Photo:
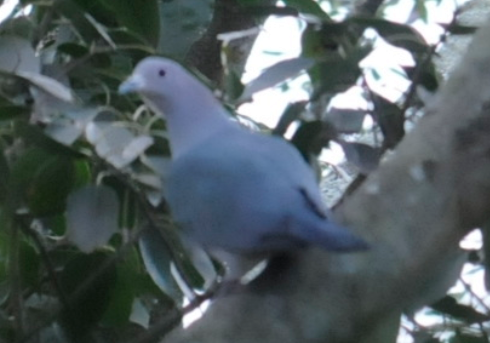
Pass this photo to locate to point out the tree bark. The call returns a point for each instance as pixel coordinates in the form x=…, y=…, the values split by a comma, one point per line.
x=413, y=210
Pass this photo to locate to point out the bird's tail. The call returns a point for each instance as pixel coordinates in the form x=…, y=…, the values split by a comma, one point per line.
x=333, y=237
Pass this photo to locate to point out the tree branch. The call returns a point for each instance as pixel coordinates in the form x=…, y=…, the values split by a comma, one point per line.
x=413, y=210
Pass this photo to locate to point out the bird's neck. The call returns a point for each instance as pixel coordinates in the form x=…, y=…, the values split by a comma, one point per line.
x=191, y=122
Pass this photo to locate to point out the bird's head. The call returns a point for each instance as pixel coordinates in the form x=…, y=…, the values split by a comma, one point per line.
x=155, y=77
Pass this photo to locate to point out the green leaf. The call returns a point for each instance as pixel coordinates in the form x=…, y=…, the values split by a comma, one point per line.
x=363, y=156
x=421, y=6
x=400, y=35
x=461, y=337
x=128, y=210
x=4, y=174
x=324, y=41
x=92, y=217
x=275, y=74
x=56, y=224
x=290, y=114
x=123, y=295
x=308, y=7
x=17, y=55
x=48, y=85
x=22, y=173
x=29, y=263
x=157, y=258
x=183, y=22
x=50, y=186
x=390, y=119
x=250, y=2
x=78, y=20
x=18, y=26
x=426, y=76
x=233, y=85
x=337, y=74
x=140, y=17
x=98, y=10
x=35, y=136
x=448, y=305
x=41, y=180
x=346, y=120
x=86, y=308
x=8, y=112
x=311, y=137
x=73, y=49
x=458, y=29
x=83, y=174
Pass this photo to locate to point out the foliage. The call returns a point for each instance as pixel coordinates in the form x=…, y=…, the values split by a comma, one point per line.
x=88, y=250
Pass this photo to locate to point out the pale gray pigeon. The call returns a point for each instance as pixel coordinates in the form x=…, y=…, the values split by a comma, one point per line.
x=230, y=188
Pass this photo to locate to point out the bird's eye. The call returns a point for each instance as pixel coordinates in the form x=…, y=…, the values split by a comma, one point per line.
x=161, y=72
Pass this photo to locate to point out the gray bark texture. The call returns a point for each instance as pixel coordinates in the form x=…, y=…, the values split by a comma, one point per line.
x=413, y=210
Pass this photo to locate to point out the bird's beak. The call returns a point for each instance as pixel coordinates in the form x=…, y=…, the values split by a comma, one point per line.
x=131, y=85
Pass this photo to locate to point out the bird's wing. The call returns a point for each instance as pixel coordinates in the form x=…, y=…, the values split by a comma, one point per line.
x=288, y=162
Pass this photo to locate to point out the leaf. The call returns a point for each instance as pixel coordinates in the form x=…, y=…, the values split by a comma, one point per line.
x=136, y=147
x=35, y=136
x=158, y=259
x=49, y=85
x=318, y=43
x=311, y=137
x=233, y=85
x=421, y=6
x=140, y=17
x=390, y=119
x=41, y=180
x=458, y=29
x=121, y=301
x=462, y=337
x=17, y=55
x=29, y=264
x=337, y=74
x=73, y=49
x=426, y=76
x=8, y=112
x=51, y=185
x=290, y=114
x=308, y=7
x=400, y=35
x=22, y=173
x=85, y=308
x=157, y=163
x=364, y=157
x=18, y=26
x=78, y=20
x=116, y=144
x=99, y=11
x=182, y=23
x=92, y=217
x=275, y=74
x=69, y=125
x=448, y=305
x=140, y=314
x=129, y=41
x=346, y=120
x=4, y=174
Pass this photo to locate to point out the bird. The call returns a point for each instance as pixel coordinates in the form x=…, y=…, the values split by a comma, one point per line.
x=230, y=188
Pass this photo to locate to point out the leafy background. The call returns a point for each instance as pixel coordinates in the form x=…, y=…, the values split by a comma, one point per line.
x=88, y=251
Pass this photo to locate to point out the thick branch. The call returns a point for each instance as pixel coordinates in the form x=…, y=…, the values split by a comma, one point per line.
x=413, y=210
